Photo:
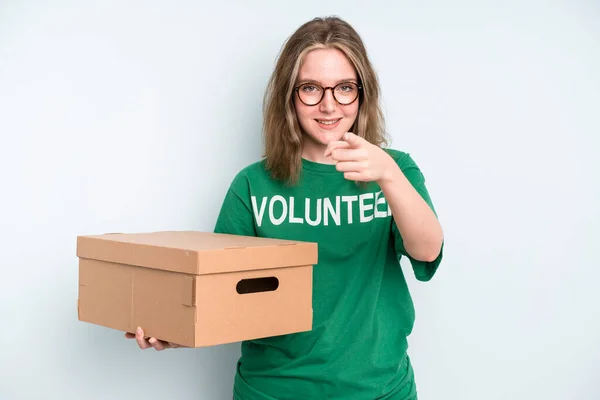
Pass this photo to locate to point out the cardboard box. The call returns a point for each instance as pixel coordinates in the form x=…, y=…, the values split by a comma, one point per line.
x=196, y=288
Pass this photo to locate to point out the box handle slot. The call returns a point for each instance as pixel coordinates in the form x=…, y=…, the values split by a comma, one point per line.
x=257, y=285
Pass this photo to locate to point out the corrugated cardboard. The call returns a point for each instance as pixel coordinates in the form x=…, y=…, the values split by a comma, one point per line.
x=196, y=288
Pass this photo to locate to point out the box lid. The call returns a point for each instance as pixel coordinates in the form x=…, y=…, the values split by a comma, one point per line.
x=195, y=252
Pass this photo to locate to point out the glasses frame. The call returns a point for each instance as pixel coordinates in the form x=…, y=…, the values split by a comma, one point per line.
x=324, y=89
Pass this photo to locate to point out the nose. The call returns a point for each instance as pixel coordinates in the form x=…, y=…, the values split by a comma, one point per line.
x=328, y=103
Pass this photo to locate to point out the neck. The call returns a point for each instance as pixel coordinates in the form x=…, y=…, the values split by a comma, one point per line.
x=315, y=152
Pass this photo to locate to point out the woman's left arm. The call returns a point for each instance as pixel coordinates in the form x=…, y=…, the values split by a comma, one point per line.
x=417, y=223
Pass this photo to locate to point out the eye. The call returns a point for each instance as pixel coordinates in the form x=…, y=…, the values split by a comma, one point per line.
x=346, y=88
x=309, y=88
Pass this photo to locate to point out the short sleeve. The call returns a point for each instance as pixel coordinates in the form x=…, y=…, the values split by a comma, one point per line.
x=235, y=216
x=423, y=270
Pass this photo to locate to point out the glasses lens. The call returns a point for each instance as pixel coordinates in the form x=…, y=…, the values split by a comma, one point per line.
x=310, y=94
x=346, y=93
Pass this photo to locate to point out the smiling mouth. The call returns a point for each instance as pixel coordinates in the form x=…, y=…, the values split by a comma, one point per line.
x=327, y=121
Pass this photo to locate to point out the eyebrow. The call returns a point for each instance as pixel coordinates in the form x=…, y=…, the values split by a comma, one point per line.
x=302, y=81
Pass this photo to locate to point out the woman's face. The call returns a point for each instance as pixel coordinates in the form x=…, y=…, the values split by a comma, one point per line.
x=328, y=120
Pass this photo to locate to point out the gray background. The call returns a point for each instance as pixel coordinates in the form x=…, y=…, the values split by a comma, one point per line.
x=133, y=116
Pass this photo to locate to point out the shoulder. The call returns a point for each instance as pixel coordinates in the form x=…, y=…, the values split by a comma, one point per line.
x=412, y=172
x=408, y=166
x=253, y=172
x=402, y=158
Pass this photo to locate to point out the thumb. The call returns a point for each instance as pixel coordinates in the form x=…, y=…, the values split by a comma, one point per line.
x=352, y=139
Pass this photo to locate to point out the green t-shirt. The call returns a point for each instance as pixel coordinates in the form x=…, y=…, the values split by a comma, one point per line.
x=362, y=309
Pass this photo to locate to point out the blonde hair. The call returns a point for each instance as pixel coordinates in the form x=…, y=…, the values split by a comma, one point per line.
x=282, y=133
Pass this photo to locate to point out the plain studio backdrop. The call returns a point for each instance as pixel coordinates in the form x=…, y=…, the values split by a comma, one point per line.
x=135, y=116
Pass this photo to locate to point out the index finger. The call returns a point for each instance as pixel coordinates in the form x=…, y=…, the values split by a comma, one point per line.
x=353, y=139
x=336, y=144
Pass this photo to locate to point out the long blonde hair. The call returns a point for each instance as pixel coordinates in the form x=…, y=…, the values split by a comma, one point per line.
x=282, y=133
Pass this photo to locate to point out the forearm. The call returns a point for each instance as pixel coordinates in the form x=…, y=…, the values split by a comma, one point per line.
x=418, y=225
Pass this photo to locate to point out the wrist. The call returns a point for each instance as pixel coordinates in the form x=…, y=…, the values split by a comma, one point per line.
x=391, y=174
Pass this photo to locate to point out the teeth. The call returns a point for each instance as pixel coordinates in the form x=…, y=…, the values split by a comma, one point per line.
x=328, y=122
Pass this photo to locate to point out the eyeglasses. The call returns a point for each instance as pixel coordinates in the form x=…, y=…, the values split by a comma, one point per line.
x=344, y=93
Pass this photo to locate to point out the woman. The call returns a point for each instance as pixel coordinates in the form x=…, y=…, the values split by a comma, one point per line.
x=327, y=178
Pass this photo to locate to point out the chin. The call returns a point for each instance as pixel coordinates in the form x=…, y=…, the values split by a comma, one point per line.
x=325, y=135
